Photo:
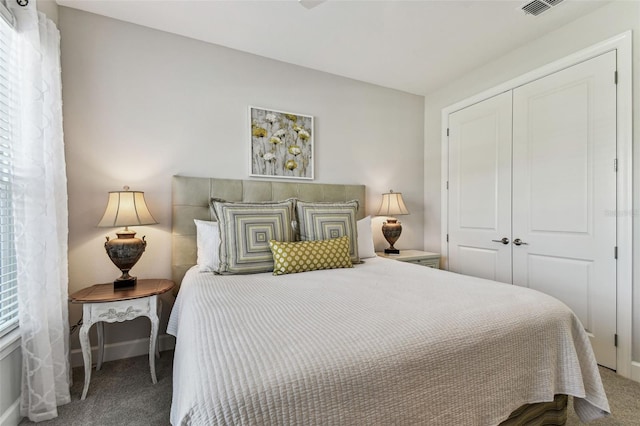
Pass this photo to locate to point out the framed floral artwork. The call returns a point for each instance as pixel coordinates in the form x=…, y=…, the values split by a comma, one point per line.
x=281, y=144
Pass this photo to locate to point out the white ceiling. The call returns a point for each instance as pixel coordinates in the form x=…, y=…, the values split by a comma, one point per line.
x=413, y=46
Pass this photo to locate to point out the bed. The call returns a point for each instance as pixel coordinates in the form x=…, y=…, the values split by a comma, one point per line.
x=383, y=342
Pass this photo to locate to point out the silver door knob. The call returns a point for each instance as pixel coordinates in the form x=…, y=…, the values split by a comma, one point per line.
x=505, y=240
x=519, y=242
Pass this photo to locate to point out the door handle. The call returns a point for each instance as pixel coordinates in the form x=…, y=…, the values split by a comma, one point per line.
x=519, y=242
x=505, y=240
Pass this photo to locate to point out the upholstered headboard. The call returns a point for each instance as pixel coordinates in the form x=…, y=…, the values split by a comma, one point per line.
x=191, y=195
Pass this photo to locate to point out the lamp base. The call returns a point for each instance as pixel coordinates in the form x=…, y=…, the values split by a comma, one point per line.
x=125, y=283
x=391, y=229
x=124, y=252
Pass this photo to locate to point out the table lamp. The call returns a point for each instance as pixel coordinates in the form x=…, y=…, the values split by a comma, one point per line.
x=125, y=208
x=392, y=205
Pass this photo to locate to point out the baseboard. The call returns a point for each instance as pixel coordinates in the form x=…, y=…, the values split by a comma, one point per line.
x=635, y=371
x=121, y=350
x=12, y=416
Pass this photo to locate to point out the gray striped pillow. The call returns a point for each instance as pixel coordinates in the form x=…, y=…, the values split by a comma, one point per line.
x=245, y=232
x=327, y=220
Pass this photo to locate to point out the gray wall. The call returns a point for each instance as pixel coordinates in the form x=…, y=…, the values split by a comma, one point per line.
x=591, y=29
x=141, y=105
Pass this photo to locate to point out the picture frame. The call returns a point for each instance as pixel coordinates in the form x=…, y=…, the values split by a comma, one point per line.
x=281, y=144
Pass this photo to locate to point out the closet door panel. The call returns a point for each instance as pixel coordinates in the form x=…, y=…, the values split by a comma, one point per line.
x=559, y=161
x=564, y=193
x=480, y=189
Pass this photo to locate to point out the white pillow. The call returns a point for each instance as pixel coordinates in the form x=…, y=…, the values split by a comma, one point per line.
x=208, y=241
x=365, y=239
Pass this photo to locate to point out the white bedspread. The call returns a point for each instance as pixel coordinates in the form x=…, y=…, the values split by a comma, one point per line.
x=384, y=343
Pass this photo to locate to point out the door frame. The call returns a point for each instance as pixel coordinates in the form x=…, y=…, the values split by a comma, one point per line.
x=624, y=178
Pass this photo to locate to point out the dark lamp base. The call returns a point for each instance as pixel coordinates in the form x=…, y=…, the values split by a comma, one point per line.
x=126, y=283
x=391, y=229
x=124, y=252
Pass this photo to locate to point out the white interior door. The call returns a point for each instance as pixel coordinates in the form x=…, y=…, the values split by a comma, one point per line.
x=480, y=189
x=564, y=193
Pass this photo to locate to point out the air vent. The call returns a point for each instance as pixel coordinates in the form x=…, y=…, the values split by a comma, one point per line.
x=310, y=4
x=536, y=7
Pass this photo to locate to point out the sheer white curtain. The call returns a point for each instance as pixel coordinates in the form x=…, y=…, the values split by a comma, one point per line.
x=40, y=216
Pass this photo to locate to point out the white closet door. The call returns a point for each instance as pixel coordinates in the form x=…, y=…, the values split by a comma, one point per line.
x=480, y=189
x=564, y=194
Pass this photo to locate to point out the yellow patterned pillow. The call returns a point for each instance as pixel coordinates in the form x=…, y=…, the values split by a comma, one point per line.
x=289, y=258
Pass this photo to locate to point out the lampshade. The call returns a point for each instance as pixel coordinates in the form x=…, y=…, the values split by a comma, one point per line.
x=392, y=205
x=126, y=208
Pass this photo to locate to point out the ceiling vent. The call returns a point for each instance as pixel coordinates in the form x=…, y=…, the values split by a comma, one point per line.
x=536, y=7
x=310, y=4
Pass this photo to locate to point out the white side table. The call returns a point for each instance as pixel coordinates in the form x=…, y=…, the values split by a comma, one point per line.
x=419, y=257
x=101, y=303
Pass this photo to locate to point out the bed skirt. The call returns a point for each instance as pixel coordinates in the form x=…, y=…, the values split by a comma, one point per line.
x=552, y=413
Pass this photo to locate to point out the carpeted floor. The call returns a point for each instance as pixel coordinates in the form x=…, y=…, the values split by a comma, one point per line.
x=121, y=393
x=624, y=400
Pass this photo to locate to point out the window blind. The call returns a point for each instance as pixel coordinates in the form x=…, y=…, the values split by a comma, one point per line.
x=8, y=266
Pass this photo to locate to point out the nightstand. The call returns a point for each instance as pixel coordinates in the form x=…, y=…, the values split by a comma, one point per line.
x=101, y=303
x=425, y=258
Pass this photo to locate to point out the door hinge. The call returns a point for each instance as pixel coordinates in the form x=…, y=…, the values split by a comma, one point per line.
x=615, y=165
x=447, y=185
x=615, y=252
x=615, y=340
x=615, y=77
x=447, y=131
x=447, y=237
